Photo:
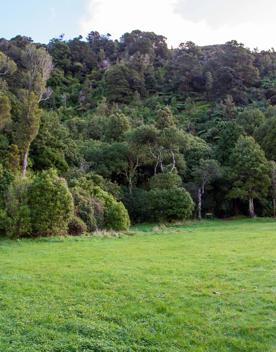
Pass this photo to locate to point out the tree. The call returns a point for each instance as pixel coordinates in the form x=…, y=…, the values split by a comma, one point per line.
x=165, y=118
x=250, y=119
x=7, y=65
x=117, y=125
x=204, y=173
x=26, y=129
x=250, y=172
x=229, y=133
x=38, y=66
x=13, y=159
x=5, y=111
x=52, y=144
x=265, y=136
x=121, y=82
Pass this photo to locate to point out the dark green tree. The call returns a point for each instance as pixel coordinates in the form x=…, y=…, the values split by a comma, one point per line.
x=250, y=172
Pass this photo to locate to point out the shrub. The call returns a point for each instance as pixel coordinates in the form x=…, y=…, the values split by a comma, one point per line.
x=18, y=214
x=137, y=205
x=51, y=204
x=116, y=217
x=6, y=178
x=3, y=221
x=76, y=226
x=165, y=181
x=84, y=208
x=115, y=214
x=170, y=204
x=98, y=208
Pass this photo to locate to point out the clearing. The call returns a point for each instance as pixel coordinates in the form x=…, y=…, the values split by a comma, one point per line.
x=205, y=287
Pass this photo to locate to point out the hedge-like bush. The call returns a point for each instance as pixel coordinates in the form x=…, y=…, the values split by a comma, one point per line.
x=51, y=204
x=115, y=214
x=18, y=213
x=116, y=217
x=170, y=204
x=41, y=206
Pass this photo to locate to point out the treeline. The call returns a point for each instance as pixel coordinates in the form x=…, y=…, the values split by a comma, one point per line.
x=105, y=129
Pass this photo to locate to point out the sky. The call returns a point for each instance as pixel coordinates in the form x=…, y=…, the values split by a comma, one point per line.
x=201, y=21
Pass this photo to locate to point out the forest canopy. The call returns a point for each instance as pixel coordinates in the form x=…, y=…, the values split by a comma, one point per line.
x=129, y=129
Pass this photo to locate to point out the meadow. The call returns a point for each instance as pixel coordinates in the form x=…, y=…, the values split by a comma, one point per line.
x=201, y=287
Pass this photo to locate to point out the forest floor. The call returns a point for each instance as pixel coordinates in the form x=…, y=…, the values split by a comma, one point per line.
x=202, y=287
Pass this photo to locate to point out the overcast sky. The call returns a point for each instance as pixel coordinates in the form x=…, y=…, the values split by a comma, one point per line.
x=202, y=21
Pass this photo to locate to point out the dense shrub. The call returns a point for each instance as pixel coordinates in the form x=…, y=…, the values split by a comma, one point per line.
x=98, y=208
x=170, y=204
x=76, y=226
x=18, y=213
x=85, y=208
x=115, y=214
x=159, y=204
x=165, y=180
x=51, y=204
x=137, y=205
x=116, y=217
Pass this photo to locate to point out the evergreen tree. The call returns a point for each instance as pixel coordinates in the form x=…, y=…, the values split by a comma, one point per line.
x=250, y=172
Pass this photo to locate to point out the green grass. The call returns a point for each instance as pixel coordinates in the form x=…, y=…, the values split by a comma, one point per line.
x=200, y=287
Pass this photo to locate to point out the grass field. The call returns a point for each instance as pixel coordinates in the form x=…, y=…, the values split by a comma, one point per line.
x=203, y=287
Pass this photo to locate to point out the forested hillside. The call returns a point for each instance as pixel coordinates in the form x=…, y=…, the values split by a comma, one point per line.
x=94, y=130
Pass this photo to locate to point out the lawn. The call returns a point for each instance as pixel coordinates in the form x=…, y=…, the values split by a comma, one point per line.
x=200, y=287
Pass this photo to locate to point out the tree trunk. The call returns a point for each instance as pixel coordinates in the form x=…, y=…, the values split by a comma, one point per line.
x=199, y=205
x=274, y=207
x=251, y=208
x=130, y=185
x=25, y=162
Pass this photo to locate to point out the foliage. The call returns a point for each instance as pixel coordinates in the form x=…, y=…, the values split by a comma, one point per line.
x=76, y=226
x=50, y=203
x=250, y=171
x=170, y=204
x=18, y=212
x=265, y=136
x=139, y=116
x=165, y=181
x=5, y=111
x=116, y=217
x=115, y=214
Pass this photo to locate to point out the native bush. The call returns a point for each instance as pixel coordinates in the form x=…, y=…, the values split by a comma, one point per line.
x=76, y=226
x=88, y=208
x=116, y=217
x=115, y=214
x=18, y=214
x=51, y=204
x=170, y=204
x=165, y=180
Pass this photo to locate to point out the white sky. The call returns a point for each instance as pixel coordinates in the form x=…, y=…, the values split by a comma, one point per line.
x=251, y=22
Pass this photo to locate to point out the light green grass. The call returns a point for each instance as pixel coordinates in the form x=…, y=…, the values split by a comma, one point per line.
x=204, y=287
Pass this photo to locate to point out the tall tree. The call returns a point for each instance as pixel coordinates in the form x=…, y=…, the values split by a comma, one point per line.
x=206, y=172
x=38, y=65
x=250, y=172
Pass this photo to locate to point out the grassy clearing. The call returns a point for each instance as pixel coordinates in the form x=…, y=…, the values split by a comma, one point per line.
x=200, y=287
